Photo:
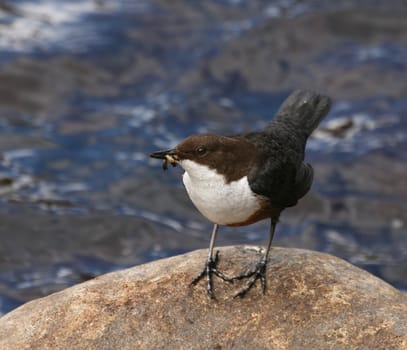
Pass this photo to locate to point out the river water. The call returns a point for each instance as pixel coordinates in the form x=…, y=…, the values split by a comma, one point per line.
x=89, y=88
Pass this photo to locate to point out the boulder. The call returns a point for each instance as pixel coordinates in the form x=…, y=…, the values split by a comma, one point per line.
x=313, y=301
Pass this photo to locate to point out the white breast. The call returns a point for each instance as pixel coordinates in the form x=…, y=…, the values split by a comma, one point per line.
x=218, y=201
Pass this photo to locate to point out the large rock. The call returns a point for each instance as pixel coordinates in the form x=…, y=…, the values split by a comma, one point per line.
x=313, y=301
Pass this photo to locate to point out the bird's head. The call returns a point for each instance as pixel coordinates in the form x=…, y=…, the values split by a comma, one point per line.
x=220, y=153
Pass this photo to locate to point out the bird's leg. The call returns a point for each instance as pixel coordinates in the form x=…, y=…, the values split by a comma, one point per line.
x=260, y=271
x=210, y=266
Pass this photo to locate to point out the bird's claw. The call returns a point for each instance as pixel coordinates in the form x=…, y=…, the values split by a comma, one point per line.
x=258, y=273
x=209, y=270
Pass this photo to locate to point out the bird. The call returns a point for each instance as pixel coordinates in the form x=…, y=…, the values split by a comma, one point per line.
x=244, y=178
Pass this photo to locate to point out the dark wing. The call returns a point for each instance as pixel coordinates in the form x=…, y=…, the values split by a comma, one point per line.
x=303, y=180
x=281, y=174
x=282, y=183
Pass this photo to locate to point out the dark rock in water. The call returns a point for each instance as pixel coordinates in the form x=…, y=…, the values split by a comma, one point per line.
x=313, y=301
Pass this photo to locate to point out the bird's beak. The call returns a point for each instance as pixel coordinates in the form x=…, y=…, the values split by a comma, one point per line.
x=169, y=155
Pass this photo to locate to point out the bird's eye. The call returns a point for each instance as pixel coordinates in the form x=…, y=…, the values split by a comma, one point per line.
x=201, y=150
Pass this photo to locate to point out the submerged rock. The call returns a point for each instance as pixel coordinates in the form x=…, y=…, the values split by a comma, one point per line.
x=313, y=301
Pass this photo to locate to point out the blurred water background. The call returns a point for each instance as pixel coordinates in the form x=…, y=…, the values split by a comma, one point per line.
x=89, y=88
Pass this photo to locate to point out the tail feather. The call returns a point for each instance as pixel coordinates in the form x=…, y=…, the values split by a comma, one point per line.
x=303, y=110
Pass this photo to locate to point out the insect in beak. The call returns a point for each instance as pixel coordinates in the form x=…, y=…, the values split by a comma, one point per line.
x=167, y=156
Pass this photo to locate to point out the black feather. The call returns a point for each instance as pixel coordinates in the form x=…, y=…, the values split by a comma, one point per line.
x=281, y=174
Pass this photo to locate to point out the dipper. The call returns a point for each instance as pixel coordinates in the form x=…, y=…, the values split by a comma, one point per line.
x=241, y=179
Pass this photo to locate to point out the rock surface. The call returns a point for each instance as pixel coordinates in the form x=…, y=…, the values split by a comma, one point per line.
x=313, y=301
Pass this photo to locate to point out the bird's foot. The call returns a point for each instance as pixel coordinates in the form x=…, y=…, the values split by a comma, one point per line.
x=209, y=270
x=258, y=273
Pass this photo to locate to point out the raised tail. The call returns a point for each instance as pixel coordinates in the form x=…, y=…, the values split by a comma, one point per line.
x=303, y=111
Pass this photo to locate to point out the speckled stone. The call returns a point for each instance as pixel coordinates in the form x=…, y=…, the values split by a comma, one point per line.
x=313, y=301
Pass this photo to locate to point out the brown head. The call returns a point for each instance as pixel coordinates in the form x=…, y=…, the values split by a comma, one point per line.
x=232, y=157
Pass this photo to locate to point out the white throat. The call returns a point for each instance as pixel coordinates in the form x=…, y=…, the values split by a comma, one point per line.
x=220, y=202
